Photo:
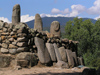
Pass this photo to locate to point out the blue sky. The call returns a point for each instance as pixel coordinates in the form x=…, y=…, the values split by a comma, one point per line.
x=50, y=8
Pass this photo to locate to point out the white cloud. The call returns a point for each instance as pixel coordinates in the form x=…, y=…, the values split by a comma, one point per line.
x=97, y=17
x=26, y=18
x=49, y=15
x=95, y=8
x=55, y=11
x=4, y=19
x=76, y=10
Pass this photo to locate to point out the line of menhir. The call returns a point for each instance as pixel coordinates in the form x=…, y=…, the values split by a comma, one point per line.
x=33, y=46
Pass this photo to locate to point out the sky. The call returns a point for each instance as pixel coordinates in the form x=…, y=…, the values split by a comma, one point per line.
x=50, y=8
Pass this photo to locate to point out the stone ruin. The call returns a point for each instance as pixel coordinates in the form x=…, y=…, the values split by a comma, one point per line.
x=26, y=47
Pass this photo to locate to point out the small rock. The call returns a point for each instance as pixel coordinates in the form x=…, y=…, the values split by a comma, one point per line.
x=4, y=45
x=12, y=51
x=22, y=44
x=3, y=50
x=11, y=46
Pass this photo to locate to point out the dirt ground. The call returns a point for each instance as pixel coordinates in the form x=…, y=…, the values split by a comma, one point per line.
x=40, y=71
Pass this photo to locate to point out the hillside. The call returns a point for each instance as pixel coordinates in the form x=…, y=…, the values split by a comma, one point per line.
x=47, y=22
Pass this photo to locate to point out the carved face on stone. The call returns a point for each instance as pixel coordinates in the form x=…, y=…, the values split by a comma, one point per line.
x=55, y=28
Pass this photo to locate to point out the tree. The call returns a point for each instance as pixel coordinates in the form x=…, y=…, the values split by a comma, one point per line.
x=88, y=35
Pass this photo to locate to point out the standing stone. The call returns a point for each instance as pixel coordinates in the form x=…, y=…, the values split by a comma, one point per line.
x=80, y=61
x=51, y=51
x=63, y=54
x=57, y=52
x=55, y=28
x=75, y=58
x=38, y=23
x=70, y=58
x=43, y=53
x=16, y=14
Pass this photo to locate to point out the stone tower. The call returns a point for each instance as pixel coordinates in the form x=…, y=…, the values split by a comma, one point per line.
x=16, y=14
x=38, y=23
x=55, y=28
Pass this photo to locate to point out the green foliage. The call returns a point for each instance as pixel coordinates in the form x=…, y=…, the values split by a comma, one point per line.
x=88, y=35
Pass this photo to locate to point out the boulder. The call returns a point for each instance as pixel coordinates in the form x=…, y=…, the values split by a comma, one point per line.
x=43, y=53
x=57, y=52
x=63, y=53
x=70, y=58
x=62, y=64
x=27, y=56
x=11, y=39
x=51, y=51
x=4, y=61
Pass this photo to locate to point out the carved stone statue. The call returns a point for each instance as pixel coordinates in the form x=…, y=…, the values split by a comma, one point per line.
x=55, y=28
x=38, y=23
x=16, y=14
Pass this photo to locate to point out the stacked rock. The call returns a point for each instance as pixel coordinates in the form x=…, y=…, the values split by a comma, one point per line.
x=14, y=38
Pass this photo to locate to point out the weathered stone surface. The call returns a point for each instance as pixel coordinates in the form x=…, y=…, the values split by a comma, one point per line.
x=12, y=51
x=22, y=63
x=5, y=34
x=12, y=33
x=22, y=35
x=22, y=44
x=3, y=50
x=16, y=14
x=70, y=58
x=4, y=45
x=61, y=64
x=38, y=23
x=55, y=28
x=75, y=58
x=11, y=46
x=22, y=49
x=3, y=37
x=14, y=43
x=57, y=52
x=63, y=53
x=43, y=53
x=4, y=61
x=11, y=39
x=80, y=61
x=30, y=57
x=51, y=51
x=23, y=39
x=5, y=29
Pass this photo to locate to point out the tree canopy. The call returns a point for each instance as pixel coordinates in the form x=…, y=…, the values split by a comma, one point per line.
x=88, y=35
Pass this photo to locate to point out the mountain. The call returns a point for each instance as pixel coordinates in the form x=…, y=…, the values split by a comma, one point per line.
x=47, y=22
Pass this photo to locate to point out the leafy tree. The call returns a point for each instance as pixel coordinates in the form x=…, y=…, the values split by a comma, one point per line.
x=88, y=35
